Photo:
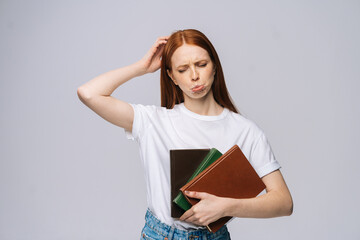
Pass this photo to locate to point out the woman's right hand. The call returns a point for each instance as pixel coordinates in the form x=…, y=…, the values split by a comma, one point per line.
x=151, y=62
x=96, y=94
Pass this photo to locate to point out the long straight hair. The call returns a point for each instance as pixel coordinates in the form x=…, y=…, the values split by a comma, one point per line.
x=171, y=94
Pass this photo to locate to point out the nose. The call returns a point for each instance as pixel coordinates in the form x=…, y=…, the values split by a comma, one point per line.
x=194, y=74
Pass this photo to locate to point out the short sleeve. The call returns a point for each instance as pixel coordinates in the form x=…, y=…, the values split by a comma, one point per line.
x=142, y=116
x=262, y=157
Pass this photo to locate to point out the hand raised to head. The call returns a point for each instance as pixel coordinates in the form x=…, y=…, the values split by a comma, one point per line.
x=151, y=62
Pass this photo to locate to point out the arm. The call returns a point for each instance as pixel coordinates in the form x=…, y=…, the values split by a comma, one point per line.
x=275, y=202
x=96, y=94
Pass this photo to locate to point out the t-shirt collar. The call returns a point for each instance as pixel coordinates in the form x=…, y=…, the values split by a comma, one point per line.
x=203, y=117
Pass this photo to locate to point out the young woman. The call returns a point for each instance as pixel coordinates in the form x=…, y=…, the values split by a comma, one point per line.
x=196, y=112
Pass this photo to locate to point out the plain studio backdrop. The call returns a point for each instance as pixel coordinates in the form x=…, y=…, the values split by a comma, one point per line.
x=292, y=67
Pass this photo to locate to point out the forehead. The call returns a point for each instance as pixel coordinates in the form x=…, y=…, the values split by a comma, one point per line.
x=188, y=53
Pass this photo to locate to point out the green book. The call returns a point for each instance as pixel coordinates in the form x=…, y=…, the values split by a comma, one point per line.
x=211, y=157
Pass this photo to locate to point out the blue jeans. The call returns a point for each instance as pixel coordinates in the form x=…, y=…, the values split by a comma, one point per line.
x=156, y=230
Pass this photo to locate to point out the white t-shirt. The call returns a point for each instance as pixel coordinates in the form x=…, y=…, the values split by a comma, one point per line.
x=157, y=130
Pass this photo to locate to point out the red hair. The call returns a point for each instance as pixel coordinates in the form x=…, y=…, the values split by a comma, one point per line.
x=171, y=94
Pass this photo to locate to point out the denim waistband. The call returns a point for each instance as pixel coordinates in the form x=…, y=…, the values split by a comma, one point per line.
x=170, y=232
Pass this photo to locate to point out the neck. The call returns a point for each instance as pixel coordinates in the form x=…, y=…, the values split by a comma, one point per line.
x=204, y=106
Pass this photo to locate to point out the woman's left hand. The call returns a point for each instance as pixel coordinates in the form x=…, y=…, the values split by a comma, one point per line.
x=208, y=210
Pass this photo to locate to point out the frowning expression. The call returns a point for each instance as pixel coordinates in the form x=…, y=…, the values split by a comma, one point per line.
x=192, y=70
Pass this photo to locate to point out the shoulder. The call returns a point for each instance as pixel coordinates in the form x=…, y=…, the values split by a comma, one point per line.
x=142, y=107
x=153, y=110
x=246, y=124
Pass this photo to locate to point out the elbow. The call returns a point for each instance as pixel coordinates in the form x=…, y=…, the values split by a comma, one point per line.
x=285, y=205
x=288, y=207
x=83, y=94
x=290, y=210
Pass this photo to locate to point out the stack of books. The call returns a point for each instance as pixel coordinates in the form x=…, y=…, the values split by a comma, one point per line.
x=208, y=170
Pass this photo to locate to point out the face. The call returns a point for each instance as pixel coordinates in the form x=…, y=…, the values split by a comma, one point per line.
x=192, y=70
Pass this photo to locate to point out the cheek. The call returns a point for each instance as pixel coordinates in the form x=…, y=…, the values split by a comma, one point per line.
x=210, y=74
x=181, y=79
x=212, y=77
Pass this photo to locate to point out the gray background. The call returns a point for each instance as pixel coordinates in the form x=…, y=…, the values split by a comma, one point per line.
x=291, y=66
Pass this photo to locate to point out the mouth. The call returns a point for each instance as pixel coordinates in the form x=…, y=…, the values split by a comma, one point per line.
x=198, y=88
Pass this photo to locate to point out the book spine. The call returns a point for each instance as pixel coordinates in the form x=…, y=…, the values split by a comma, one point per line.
x=203, y=164
x=211, y=157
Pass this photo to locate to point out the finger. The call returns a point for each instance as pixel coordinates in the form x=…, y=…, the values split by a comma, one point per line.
x=156, y=48
x=191, y=219
x=159, y=52
x=163, y=38
x=158, y=44
x=186, y=215
x=161, y=45
x=197, y=195
x=162, y=41
x=196, y=220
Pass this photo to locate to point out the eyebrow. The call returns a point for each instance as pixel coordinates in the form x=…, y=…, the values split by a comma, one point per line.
x=185, y=65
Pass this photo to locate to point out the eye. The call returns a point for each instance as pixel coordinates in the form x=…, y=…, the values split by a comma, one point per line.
x=202, y=64
x=181, y=70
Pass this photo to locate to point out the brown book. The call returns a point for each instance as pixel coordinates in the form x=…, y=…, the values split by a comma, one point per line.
x=229, y=176
x=183, y=163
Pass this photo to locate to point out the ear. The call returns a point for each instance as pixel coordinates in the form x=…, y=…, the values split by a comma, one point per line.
x=171, y=76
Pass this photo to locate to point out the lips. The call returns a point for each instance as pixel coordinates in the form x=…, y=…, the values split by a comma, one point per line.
x=198, y=88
